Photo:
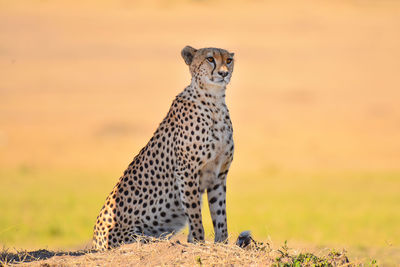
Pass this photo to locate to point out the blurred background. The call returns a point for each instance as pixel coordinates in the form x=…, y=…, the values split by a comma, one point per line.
x=314, y=100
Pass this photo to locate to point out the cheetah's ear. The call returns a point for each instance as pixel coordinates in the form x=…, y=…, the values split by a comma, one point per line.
x=188, y=54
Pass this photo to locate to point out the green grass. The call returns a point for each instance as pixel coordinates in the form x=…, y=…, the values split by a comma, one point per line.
x=359, y=211
x=50, y=208
x=352, y=208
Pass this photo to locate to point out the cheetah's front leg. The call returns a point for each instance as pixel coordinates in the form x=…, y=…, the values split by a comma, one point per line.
x=216, y=195
x=190, y=197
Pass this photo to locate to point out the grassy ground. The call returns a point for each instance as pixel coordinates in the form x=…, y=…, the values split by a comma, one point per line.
x=314, y=102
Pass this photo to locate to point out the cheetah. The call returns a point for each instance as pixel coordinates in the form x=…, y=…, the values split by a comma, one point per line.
x=190, y=152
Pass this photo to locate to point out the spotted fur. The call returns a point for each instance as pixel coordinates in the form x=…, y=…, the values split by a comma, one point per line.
x=190, y=153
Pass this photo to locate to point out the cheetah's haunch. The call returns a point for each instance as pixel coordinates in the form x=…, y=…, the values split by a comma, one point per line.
x=189, y=153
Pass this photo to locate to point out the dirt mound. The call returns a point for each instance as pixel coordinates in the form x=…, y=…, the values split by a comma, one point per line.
x=176, y=253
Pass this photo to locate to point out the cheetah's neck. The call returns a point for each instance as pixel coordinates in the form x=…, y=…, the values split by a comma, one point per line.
x=208, y=93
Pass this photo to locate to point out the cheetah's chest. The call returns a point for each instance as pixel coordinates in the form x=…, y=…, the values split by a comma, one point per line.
x=221, y=131
x=221, y=153
x=221, y=136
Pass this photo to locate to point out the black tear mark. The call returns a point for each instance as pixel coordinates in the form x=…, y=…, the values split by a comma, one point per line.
x=215, y=65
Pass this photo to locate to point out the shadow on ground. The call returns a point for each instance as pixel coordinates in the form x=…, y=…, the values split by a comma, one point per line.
x=41, y=254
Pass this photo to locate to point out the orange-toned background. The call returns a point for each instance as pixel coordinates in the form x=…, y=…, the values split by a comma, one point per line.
x=316, y=84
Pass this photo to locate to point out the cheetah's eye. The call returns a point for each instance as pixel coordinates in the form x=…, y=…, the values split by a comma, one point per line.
x=210, y=59
x=228, y=61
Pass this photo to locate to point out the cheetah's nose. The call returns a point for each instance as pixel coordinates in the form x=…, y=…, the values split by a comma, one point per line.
x=223, y=73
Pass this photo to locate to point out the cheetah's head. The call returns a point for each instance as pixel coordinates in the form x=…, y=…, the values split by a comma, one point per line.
x=210, y=66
